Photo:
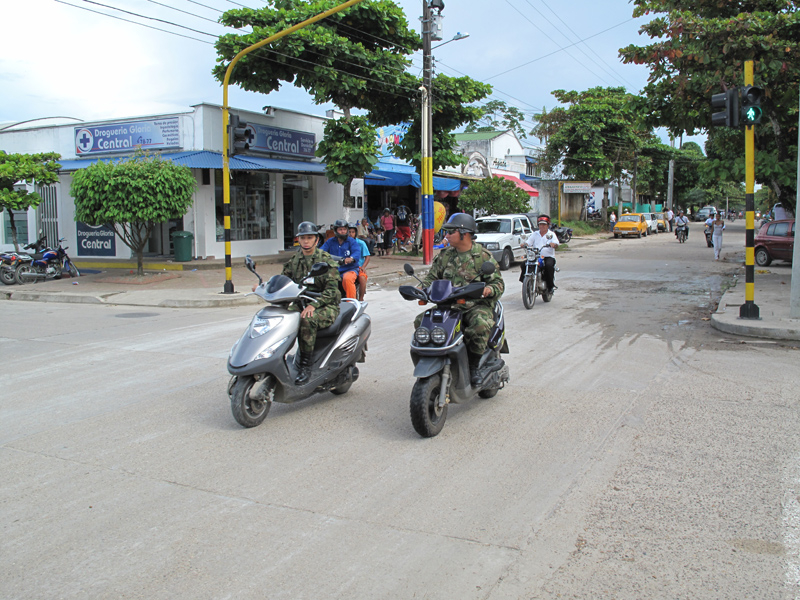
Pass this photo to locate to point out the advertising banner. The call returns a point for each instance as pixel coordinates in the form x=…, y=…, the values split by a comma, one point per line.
x=96, y=240
x=273, y=140
x=576, y=187
x=157, y=134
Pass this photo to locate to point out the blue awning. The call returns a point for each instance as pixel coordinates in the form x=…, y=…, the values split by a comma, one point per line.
x=446, y=184
x=204, y=159
x=394, y=174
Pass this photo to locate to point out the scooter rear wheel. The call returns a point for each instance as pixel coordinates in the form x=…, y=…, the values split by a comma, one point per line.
x=7, y=276
x=426, y=417
x=249, y=411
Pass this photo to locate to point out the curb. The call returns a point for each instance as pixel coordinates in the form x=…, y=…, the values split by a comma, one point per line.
x=790, y=333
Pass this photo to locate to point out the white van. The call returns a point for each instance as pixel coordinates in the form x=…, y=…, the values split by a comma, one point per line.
x=502, y=235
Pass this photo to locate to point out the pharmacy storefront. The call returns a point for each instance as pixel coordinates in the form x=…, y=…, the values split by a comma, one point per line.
x=274, y=187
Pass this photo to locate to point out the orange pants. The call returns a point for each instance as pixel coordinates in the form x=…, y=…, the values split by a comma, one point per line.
x=349, y=283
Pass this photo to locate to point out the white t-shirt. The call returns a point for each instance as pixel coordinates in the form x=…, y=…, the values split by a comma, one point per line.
x=681, y=221
x=535, y=240
x=670, y=215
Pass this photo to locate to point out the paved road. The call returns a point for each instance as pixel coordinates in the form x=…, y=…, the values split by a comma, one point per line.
x=636, y=453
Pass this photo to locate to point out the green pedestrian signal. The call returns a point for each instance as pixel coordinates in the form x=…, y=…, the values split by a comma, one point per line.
x=751, y=105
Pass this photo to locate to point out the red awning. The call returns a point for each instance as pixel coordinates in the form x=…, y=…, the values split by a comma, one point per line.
x=521, y=185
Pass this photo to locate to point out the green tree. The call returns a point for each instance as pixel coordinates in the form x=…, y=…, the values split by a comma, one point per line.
x=699, y=48
x=39, y=168
x=356, y=59
x=132, y=196
x=450, y=110
x=594, y=138
x=499, y=116
x=495, y=195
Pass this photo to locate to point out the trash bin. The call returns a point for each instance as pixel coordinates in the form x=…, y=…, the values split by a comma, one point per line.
x=182, y=242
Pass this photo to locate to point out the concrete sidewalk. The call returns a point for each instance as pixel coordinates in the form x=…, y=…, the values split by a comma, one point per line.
x=772, y=293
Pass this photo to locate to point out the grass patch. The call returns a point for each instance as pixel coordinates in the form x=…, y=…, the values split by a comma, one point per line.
x=584, y=227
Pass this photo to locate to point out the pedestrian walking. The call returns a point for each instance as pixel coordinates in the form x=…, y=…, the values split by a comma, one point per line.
x=716, y=234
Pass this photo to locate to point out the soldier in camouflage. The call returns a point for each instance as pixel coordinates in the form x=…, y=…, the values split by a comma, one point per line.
x=461, y=263
x=323, y=311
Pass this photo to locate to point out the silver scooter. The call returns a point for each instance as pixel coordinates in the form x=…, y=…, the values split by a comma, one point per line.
x=263, y=370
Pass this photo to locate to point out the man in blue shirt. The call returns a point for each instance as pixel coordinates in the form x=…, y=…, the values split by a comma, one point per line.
x=362, y=265
x=342, y=246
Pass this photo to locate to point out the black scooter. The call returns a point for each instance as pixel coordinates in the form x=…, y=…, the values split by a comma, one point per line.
x=439, y=352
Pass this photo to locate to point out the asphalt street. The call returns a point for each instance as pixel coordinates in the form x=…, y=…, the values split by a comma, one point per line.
x=636, y=453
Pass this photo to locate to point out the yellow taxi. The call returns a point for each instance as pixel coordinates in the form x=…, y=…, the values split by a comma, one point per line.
x=631, y=224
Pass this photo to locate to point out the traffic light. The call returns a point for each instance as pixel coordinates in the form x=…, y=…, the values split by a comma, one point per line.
x=239, y=136
x=751, y=104
x=729, y=103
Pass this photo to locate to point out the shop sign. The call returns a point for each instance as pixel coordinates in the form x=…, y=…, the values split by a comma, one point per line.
x=576, y=187
x=96, y=240
x=156, y=134
x=388, y=137
x=273, y=140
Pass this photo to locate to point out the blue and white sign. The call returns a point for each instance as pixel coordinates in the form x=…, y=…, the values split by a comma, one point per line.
x=158, y=134
x=96, y=240
x=273, y=140
x=389, y=136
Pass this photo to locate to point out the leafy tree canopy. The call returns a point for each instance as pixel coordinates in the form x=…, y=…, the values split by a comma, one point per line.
x=349, y=149
x=132, y=195
x=40, y=168
x=495, y=195
x=499, y=116
x=699, y=48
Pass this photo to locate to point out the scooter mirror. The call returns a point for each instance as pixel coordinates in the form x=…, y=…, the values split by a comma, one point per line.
x=248, y=262
x=319, y=268
x=487, y=268
x=408, y=269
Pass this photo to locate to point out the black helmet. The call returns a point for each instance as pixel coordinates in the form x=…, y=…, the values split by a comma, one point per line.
x=306, y=228
x=461, y=221
x=339, y=223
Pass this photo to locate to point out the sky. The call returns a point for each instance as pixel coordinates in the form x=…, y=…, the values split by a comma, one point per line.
x=88, y=66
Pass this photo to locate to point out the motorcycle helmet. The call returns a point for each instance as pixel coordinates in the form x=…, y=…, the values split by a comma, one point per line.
x=543, y=219
x=306, y=228
x=336, y=225
x=463, y=222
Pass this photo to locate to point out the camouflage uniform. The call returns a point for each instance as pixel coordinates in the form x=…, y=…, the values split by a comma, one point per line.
x=461, y=268
x=326, y=307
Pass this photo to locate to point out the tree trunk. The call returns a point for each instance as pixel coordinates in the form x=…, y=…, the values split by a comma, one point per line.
x=13, y=229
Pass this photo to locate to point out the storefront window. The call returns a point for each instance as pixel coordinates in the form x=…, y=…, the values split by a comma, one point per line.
x=252, y=207
x=298, y=204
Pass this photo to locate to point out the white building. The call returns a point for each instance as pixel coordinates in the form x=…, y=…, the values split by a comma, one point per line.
x=275, y=186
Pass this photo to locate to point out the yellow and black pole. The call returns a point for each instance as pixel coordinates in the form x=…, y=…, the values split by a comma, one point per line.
x=226, y=173
x=749, y=310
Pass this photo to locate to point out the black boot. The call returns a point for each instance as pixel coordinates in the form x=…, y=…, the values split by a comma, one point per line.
x=476, y=377
x=303, y=368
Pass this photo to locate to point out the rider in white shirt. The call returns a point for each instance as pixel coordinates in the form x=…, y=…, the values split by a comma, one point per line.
x=682, y=220
x=547, y=242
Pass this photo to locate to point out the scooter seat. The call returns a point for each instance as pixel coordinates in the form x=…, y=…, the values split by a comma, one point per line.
x=346, y=312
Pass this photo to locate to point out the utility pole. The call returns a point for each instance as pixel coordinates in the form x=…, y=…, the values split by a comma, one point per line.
x=749, y=310
x=794, y=297
x=669, y=183
x=427, y=135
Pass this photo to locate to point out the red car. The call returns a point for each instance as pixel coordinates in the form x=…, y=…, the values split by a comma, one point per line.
x=775, y=241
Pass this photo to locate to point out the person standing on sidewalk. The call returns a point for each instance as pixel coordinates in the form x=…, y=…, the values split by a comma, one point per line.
x=387, y=223
x=670, y=219
x=716, y=234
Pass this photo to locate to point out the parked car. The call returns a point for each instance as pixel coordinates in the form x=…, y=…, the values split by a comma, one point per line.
x=631, y=224
x=774, y=241
x=502, y=235
x=652, y=222
x=661, y=220
x=704, y=213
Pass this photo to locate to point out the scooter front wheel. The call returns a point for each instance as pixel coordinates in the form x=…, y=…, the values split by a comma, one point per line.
x=250, y=411
x=426, y=416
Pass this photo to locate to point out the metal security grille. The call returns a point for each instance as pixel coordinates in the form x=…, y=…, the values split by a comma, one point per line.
x=47, y=214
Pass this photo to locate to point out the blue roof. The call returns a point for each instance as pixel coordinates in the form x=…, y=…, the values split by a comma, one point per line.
x=204, y=159
x=394, y=174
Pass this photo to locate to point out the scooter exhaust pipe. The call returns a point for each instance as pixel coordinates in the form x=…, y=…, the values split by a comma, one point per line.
x=32, y=276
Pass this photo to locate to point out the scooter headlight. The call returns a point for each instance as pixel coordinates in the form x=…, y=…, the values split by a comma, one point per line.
x=260, y=325
x=439, y=336
x=422, y=336
x=271, y=350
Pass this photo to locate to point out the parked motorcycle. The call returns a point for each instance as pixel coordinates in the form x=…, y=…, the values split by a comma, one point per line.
x=262, y=369
x=439, y=353
x=533, y=283
x=564, y=234
x=680, y=233
x=9, y=261
x=48, y=264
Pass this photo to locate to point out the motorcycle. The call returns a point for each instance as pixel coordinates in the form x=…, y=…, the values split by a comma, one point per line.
x=9, y=261
x=564, y=234
x=533, y=283
x=707, y=232
x=48, y=264
x=680, y=233
x=439, y=354
x=262, y=370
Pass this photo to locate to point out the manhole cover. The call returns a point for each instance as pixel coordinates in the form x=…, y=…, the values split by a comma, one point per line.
x=136, y=315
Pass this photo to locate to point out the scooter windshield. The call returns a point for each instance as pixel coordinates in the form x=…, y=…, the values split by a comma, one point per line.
x=440, y=290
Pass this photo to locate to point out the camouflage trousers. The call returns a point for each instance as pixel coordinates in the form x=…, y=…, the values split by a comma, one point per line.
x=477, y=324
x=323, y=317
